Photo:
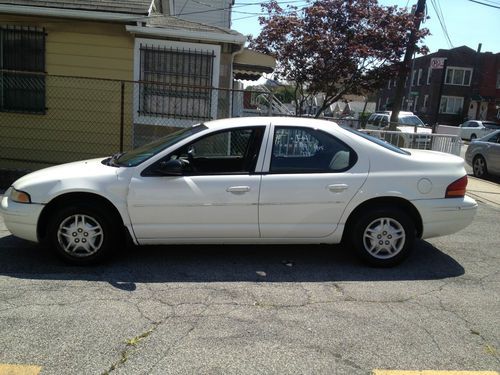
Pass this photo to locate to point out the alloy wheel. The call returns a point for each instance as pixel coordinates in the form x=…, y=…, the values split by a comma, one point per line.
x=384, y=238
x=80, y=235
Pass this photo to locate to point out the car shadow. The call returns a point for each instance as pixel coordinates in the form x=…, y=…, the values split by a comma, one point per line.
x=228, y=263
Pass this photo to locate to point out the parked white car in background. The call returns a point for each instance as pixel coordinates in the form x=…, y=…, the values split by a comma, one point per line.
x=474, y=129
x=483, y=155
x=247, y=180
x=408, y=124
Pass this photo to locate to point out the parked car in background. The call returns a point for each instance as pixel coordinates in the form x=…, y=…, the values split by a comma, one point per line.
x=262, y=180
x=474, y=129
x=408, y=123
x=483, y=155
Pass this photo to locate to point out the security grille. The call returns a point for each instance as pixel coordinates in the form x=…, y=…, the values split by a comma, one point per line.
x=22, y=69
x=175, y=83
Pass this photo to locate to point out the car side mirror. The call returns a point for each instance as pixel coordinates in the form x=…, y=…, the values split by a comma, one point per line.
x=172, y=167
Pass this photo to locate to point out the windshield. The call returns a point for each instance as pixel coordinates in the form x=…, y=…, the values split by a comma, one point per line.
x=491, y=125
x=140, y=154
x=378, y=141
x=411, y=120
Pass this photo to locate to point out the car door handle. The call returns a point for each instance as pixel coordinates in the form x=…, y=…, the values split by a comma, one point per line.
x=337, y=188
x=238, y=189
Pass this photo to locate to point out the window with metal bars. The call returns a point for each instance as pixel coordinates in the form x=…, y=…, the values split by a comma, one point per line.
x=175, y=82
x=22, y=69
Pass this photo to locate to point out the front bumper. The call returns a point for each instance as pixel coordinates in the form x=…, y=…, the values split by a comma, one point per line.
x=21, y=218
x=445, y=216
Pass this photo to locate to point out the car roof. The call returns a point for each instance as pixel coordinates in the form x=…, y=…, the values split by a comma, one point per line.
x=265, y=120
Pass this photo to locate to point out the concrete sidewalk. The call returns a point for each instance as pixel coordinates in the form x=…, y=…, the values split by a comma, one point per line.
x=484, y=191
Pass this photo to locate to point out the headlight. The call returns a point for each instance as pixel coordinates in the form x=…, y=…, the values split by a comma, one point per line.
x=19, y=196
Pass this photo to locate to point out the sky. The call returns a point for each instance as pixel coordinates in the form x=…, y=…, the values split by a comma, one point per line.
x=468, y=23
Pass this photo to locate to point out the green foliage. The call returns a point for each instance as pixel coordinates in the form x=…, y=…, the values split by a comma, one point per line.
x=285, y=94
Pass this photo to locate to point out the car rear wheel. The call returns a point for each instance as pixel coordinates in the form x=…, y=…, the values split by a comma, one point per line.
x=479, y=167
x=81, y=234
x=384, y=237
x=472, y=137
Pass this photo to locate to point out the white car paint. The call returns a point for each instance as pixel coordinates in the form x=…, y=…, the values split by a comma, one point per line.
x=257, y=207
x=474, y=129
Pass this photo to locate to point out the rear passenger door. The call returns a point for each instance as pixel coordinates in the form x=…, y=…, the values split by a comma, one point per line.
x=309, y=178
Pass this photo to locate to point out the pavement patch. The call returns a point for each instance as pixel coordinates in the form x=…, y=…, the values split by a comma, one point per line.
x=7, y=369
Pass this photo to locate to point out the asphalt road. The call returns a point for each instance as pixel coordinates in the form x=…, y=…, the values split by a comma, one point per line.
x=254, y=310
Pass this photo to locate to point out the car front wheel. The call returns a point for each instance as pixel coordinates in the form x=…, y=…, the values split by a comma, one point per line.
x=479, y=167
x=81, y=234
x=384, y=237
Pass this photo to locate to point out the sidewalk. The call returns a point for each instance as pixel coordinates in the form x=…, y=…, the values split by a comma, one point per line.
x=484, y=191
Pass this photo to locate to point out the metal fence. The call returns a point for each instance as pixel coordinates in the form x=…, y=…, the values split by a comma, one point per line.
x=450, y=144
x=79, y=118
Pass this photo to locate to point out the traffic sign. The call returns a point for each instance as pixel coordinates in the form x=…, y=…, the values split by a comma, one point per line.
x=437, y=62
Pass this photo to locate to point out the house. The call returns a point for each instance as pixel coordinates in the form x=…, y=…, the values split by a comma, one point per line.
x=85, y=78
x=471, y=87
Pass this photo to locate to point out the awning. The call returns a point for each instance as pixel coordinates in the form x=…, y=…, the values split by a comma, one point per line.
x=482, y=98
x=250, y=65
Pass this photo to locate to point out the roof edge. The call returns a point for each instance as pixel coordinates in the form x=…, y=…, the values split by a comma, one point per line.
x=27, y=10
x=239, y=39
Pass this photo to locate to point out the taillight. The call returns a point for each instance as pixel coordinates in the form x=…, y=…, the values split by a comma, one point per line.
x=457, y=189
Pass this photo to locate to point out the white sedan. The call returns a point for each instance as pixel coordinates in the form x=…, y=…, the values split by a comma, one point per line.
x=246, y=180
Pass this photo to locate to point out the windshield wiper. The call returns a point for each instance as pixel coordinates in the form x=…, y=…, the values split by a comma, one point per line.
x=113, y=160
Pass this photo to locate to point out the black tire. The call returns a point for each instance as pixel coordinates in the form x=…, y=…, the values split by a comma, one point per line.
x=386, y=248
x=479, y=167
x=472, y=137
x=82, y=234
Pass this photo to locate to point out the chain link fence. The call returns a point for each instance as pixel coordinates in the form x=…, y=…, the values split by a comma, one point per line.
x=47, y=120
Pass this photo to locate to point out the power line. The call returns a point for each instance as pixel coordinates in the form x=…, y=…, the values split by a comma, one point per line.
x=232, y=7
x=440, y=17
x=485, y=4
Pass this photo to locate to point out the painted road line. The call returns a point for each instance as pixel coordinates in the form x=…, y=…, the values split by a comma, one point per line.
x=433, y=372
x=6, y=369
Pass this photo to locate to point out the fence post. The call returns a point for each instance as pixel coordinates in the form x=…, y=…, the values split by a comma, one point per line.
x=122, y=109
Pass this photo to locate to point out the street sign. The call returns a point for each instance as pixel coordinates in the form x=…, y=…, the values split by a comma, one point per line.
x=414, y=93
x=437, y=62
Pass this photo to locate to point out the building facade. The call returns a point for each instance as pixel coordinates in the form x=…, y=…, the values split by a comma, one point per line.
x=470, y=88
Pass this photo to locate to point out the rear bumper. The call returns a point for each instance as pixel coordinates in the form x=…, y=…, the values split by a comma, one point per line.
x=20, y=218
x=445, y=216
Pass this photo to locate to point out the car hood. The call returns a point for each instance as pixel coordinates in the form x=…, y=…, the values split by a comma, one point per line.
x=82, y=175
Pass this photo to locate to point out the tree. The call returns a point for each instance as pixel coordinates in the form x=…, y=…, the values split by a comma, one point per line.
x=335, y=47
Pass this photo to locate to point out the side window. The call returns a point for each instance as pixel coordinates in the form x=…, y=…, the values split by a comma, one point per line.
x=495, y=138
x=384, y=121
x=233, y=151
x=303, y=150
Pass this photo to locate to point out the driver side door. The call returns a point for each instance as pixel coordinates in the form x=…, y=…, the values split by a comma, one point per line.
x=216, y=196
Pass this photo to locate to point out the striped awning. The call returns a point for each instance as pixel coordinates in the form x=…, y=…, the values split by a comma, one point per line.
x=250, y=65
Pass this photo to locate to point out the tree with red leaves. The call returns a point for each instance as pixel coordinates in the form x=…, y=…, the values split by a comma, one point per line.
x=335, y=47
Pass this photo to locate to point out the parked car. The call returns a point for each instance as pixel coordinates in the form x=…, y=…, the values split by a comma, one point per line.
x=247, y=180
x=408, y=124
x=474, y=129
x=483, y=155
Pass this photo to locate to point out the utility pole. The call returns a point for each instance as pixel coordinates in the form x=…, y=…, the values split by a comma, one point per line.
x=403, y=70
